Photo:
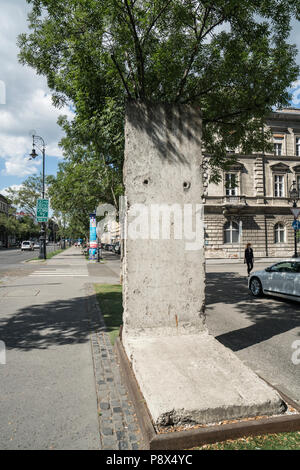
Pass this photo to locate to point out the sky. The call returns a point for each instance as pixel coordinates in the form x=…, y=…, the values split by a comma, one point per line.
x=25, y=103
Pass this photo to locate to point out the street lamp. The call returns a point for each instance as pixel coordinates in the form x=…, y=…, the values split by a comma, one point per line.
x=39, y=142
x=294, y=197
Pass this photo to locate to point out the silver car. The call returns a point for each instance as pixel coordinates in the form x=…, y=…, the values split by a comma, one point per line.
x=27, y=245
x=281, y=279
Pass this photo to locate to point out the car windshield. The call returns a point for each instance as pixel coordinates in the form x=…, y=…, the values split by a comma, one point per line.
x=26, y=243
x=286, y=267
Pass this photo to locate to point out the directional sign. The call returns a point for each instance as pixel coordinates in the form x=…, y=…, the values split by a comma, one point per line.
x=296, y=225
x=295, y=211
x=42, y=210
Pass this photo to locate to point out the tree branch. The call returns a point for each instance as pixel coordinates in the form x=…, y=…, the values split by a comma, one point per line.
x=155, y=19
x=199, y=38
x=138, y=51
x=121, y=74
x=224, y=116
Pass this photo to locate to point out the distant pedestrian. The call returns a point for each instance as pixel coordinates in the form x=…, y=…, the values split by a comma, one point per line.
x=249, y=258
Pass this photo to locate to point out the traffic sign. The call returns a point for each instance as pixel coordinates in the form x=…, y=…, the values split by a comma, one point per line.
x=295, y=211
x=42, y=210
x=296, y=225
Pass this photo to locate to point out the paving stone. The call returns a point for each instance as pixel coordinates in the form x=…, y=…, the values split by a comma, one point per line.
x=105, y=414
x=117, y=421
x=104, y=406
x=132, y=427
x=109, y=442
x=107, y=431
x=114, y=400
x=123, y=445
x=120, y=435
x=117, y=409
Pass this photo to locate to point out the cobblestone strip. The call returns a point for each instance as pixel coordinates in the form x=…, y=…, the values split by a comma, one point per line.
x=117, y=420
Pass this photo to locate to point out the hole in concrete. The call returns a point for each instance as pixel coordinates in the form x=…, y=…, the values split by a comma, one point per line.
x=186, y=185
x=146, y=181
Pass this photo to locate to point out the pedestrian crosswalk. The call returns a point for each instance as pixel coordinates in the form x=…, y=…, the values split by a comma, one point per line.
x=58, y=273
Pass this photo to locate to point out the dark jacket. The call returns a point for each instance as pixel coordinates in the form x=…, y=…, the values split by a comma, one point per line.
x=249, y=254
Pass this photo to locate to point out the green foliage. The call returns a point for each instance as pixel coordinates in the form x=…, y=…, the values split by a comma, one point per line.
x=27, y=228
x=27, y=195
x=25, y=199
x=230, y=58
x=80, y=186
x=283, y=441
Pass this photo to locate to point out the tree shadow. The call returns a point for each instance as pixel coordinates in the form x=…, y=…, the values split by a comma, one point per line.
x=41, y=326
x=271, y=316
x=165, y=125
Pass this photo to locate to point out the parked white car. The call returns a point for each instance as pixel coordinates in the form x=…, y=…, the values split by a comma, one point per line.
x=281, y=279
x=27, y=245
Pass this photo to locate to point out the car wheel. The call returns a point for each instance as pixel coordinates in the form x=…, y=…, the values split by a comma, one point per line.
x=255, y=287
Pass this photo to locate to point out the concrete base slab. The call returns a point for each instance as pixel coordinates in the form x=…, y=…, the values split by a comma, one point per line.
x=195, y=379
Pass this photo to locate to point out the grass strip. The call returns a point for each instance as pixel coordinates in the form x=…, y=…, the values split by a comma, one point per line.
x=281, y=441
x=49, y=255
x=109, y=297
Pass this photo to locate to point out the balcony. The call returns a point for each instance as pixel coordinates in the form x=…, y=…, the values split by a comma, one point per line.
x=235, y=201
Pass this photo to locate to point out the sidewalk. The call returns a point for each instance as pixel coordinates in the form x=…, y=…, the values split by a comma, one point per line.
x=212, y=261
x=61, y=386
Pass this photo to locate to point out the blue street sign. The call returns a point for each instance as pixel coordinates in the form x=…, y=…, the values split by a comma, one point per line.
x=296, y=225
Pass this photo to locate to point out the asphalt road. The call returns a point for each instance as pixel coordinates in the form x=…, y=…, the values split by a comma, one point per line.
x=13, y=261
x=260, y=331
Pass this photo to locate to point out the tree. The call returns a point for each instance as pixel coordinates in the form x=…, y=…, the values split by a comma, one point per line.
x=27, y=228
x=229, y=57
x=25, y=199
x=26, y=196
x=80, y=186
x=8, y=225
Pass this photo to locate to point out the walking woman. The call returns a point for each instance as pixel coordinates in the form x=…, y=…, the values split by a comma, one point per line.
x=249, y=258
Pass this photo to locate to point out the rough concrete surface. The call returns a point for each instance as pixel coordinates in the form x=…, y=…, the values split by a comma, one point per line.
x=163, y=281
x=195, y=379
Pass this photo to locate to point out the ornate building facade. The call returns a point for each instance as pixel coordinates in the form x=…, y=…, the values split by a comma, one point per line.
x=252, y=202
x=4, y=207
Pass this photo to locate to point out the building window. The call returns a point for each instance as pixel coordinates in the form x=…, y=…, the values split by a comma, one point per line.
x=278, y=185
x=298, y=146
x=278, y=141
x=230, y=184
x=231, y=232
x=278, y=148
x=279, y=231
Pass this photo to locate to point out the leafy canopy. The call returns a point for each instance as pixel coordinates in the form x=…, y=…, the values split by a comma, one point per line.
x=229, y=57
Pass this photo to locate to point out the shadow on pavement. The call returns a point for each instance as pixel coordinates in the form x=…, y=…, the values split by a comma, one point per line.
x=46, y=325
x=270, y=316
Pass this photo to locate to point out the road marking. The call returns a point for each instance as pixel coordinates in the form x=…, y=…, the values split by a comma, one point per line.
x=57, y=273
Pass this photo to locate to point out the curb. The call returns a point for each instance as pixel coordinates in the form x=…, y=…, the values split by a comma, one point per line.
x=188, y=439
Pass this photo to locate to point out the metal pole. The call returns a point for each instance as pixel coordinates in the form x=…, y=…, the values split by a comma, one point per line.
x=295, y=233
x=43, y=254
x=64, y=232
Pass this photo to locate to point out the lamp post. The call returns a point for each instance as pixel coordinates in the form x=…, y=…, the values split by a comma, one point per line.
x=294, y=197
x=39, y=142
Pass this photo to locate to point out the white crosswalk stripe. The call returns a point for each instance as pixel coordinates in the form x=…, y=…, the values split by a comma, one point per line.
x=57, y=273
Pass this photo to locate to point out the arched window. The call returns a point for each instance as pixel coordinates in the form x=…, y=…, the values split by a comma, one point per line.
x=231, y=232
x=279, y=233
